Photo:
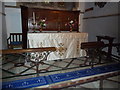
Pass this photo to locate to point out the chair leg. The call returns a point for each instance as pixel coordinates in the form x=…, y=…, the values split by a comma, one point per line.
x=86, y=61
x=37, y=69
x=101, y=84
x=92, y=62
x=100, y=59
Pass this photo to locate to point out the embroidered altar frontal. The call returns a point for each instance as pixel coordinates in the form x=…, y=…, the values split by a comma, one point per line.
x=67, y=44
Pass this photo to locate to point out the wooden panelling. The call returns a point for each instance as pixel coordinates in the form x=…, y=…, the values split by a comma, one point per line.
x=55, y=19
x=92, y=17
x=24, y=16
x=89, y=9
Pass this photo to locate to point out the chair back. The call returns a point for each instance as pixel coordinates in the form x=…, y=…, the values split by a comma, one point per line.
x=15, y=37
x=92, y=45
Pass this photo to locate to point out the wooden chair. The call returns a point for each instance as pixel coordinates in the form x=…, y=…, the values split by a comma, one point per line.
x=15, y=41
x=93, y=50
x=109, y=44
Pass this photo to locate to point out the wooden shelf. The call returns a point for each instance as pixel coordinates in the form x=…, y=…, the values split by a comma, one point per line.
x=109, y=15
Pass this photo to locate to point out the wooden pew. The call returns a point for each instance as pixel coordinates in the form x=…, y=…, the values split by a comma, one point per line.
x=110, y=42
x=93, y=50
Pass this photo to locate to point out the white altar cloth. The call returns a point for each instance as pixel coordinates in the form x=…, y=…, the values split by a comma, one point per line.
x=67, y=44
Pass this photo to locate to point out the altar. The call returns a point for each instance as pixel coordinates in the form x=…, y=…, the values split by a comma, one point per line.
x=67, y=44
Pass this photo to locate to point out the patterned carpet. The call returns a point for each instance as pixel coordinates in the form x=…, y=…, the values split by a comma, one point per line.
x=27, y=70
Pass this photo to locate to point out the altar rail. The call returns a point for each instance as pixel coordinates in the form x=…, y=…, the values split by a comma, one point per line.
x=36, y=57
x=11, y=51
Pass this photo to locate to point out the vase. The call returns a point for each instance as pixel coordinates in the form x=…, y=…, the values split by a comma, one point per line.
x=34, y=30
x=41, y=30
x=71, y=29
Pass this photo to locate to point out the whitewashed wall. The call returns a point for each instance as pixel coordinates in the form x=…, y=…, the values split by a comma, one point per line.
x=81, y=8
x=107, y=26
x=0, y=25
x=101, y=26
x=4, y=31
x=9, y=23
x=0, y=42
x=13, y=20
x=119, y=23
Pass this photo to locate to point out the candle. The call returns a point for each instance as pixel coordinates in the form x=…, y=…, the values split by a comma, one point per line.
x=34, y=17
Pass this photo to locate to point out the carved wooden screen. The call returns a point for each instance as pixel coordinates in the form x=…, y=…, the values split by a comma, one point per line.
x=55, y=19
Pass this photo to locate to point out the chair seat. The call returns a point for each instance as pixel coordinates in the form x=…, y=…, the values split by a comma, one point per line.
x=16, y=43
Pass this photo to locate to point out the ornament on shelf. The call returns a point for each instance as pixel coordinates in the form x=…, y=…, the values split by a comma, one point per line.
x=71, y=24
x=42, y=24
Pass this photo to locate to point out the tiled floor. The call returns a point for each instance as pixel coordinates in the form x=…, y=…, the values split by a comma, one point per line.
x=49, y=67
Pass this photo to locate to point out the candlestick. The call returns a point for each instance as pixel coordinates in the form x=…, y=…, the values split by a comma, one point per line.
x=34, y=17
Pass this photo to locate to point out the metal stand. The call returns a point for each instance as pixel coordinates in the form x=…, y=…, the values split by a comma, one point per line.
x=37, y=58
